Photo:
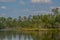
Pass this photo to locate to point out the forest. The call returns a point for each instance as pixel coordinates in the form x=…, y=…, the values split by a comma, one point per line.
x=32, y=21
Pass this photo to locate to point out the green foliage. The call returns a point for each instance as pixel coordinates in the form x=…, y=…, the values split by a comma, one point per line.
x=44, y=21
x=35, y=21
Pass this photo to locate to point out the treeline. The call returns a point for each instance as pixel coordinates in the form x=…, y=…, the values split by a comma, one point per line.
x=32, y=21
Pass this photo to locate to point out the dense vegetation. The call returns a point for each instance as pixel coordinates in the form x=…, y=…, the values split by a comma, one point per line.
x=35, y=21
x=32, y=21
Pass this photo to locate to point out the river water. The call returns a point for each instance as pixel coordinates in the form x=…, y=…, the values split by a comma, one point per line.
x=29, y=35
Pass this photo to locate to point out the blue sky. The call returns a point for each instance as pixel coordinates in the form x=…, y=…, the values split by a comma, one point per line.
x=15, y=8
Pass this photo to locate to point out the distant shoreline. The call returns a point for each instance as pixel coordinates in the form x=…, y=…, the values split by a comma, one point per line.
x=28, y=29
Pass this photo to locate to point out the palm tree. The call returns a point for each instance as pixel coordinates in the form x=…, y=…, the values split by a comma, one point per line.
x=55, y=10
x=9, y=22
x=2, y=22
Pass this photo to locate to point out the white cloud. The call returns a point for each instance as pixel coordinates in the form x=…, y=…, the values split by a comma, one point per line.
x=58, y=7
x=3, y=7
x=41, y=12
x=36, y=11
x=3, y=14
x=41, y=1
x=21, y=2
x=7, y=0
x=26, y=10
x=54, y=7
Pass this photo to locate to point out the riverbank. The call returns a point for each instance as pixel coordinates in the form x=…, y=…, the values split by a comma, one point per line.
x=27, y=29
x=33, y=29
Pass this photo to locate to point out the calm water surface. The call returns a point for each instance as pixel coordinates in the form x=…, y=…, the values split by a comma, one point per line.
x=32, y=35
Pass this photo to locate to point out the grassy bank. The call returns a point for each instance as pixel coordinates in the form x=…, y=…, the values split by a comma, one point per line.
x=28, y=29
x=32, y=29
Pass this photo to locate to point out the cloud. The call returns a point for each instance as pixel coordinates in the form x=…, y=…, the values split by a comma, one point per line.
x=26, y=10
x=41, y=1
x=3, y=7
x=7, y=0
x=54, y=7
x=22, y=2
x=40, y=12
x=35, y=12
x=3, y=14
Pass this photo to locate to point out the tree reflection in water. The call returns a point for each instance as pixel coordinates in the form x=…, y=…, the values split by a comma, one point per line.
x=30, y=35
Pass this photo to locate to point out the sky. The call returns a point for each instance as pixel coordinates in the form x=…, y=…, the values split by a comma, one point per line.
x=15, y=8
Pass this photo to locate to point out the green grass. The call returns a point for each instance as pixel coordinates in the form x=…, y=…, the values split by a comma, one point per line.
x=31, y=29
x=37, y=29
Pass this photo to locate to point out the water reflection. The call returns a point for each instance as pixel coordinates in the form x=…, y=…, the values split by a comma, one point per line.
x=29, y=35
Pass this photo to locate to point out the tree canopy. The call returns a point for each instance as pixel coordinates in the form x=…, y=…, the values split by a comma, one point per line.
x=32, y=21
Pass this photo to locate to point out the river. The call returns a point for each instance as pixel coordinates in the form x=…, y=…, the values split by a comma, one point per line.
x=28, y=35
